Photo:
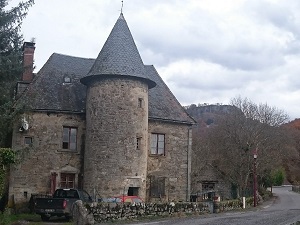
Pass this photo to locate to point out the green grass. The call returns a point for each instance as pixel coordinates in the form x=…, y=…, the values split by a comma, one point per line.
x=16, y=219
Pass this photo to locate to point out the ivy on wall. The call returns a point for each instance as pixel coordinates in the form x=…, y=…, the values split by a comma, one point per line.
x=7, y=157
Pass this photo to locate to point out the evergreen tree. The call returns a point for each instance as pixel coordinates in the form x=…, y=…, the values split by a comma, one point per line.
x=11, y=41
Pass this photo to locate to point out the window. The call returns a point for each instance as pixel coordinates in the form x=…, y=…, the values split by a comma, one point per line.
x=27, y=140
x=157, y=144
x=69, y=138
x=67, y=180
x=140, y=103
x=208, y=186
x=157, y=187
x=208, y=189
x=67, y=79
x=133, y=191
x=138, y=143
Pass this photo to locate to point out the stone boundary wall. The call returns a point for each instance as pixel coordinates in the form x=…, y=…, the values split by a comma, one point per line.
x=110, y=212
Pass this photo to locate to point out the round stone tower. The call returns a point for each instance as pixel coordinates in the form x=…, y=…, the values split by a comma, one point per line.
x=116, y=146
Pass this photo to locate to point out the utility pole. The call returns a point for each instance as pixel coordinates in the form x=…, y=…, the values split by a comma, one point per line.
x=254, y=178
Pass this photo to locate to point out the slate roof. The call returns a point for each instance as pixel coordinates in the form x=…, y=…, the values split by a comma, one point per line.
x=163, y=105
x=48, y=92
x=119, y=56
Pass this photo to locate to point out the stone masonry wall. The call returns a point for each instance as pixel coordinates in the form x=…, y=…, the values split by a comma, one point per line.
x=116, y=115
x=209, y=174
x=36, y=161
x=114, y=212
x=174, y=164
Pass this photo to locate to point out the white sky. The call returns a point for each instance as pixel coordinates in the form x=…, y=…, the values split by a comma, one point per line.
x=207, y=51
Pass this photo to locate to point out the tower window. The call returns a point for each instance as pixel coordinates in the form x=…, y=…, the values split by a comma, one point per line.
x=140, y=103
x=138, y=143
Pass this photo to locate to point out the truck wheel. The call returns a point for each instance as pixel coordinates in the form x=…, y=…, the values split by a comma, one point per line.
x=45, y=218
x=68, y=218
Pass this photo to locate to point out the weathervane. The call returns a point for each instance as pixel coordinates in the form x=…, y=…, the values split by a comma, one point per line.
x=122, y=7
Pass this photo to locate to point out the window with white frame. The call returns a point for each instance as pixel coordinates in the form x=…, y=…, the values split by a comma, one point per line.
x=157, y=144
x=69, y=138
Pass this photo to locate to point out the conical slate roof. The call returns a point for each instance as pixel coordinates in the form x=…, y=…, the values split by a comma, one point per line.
x=119, y=56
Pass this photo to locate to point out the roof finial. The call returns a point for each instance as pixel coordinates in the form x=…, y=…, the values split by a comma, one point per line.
x=122, y=7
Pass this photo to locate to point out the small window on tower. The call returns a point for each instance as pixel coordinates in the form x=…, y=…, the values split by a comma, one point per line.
x=140, y=103
x=138, y=143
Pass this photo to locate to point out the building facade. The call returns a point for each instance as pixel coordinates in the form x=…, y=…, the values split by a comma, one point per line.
x=108, y=125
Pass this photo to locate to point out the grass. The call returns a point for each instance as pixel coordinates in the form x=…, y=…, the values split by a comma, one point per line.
x=28, y=219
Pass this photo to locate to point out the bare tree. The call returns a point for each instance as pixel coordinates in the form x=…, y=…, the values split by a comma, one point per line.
x=250, y=127
x=237, y=134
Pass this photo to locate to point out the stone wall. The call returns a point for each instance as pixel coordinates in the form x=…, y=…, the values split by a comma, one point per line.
x=116, y=115
x=173, y=166
x=208, y=173
x=109, y=212
x=112, y=212
x=108, y=136
x=45, y=155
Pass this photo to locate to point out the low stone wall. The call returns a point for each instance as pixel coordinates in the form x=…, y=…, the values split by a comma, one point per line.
x=109, y=212
x=124, y=211
x=229, y=205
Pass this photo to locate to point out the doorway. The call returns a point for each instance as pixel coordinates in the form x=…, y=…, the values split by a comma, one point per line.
x=133, y=191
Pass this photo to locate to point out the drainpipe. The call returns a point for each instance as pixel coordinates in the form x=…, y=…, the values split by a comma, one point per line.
x=189, y=164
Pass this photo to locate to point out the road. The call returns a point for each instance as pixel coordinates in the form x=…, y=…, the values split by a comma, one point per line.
x=284, y=210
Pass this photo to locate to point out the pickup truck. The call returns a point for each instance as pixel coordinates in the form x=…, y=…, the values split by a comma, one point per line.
x=60, y=204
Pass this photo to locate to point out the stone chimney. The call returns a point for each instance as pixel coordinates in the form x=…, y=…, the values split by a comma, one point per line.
x=28, y=55
x=27, y=75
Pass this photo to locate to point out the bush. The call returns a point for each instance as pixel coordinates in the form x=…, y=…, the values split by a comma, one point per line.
x=278, y=177
x=5, y=218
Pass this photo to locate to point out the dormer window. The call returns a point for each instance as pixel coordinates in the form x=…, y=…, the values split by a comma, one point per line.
x=67, y=80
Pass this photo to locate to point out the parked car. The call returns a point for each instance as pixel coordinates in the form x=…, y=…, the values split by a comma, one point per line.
x=123, y=198
x=131, y=199
x=60, y=204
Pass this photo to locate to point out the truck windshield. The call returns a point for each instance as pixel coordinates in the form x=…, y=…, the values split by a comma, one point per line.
x=61, y=193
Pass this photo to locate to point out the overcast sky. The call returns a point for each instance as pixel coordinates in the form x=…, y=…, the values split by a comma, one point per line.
x=207, y=51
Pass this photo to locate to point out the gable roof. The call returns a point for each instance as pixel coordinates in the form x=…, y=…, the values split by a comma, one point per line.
x=119, y=56
x=49, y=92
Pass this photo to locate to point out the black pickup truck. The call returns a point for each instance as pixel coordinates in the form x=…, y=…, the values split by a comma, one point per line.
x=60, y=204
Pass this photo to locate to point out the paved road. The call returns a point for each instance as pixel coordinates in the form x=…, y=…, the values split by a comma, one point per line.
x=285, y=210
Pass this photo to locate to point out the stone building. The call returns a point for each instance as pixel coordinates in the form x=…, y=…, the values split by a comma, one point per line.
x=206, y=176
x=108, y=125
